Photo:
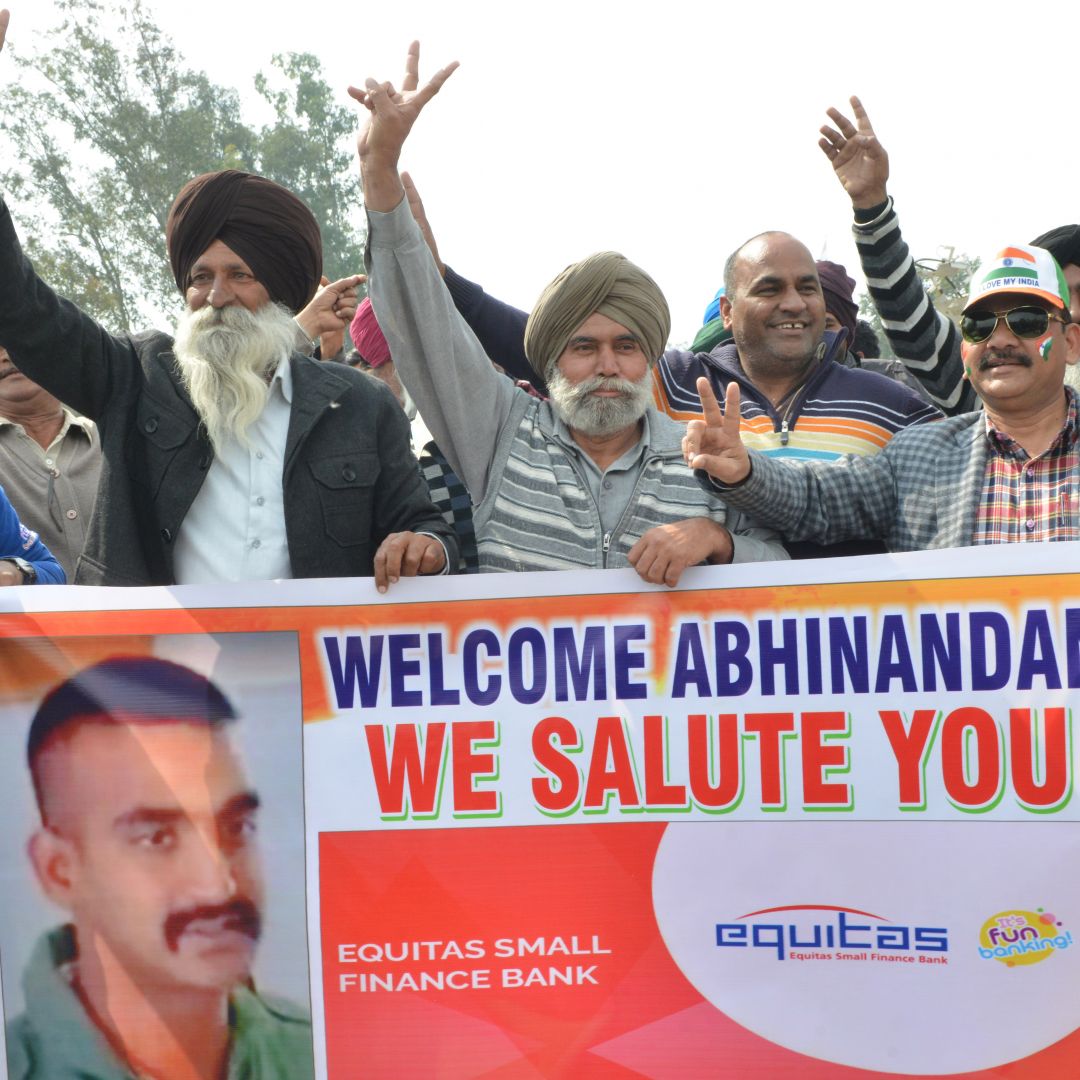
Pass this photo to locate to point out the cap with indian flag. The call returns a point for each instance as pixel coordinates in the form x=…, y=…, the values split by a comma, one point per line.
x=1022, y=268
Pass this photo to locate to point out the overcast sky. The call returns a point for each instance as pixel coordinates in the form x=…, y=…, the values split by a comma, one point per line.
x=671, y=131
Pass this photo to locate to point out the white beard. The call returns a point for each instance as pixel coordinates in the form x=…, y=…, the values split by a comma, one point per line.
x=596, y=416
x=226, y=357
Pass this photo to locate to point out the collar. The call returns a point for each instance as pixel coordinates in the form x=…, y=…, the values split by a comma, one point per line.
x=72, y=1045
x=71, y=420
x=1001, y=443
x=282, y=378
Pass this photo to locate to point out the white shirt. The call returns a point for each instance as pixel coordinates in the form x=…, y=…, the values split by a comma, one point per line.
x=235, y=529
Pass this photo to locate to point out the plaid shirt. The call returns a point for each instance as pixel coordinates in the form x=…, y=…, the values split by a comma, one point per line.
x=1025, y=498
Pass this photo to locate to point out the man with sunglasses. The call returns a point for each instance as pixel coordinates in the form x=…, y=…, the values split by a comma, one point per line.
x=1003, y=475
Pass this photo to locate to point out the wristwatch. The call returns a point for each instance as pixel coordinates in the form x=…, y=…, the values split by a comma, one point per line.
x=28, y=570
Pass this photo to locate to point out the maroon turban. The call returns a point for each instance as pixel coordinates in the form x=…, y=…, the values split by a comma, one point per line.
x=839, y=291
x=264, y=223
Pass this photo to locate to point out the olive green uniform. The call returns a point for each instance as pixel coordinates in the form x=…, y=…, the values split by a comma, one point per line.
x=54, y=1039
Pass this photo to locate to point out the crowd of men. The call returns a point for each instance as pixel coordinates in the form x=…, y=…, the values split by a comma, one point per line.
x=250, y=444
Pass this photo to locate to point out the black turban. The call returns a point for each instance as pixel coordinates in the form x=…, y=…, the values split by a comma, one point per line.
x=1063, y=243
x=264, y=223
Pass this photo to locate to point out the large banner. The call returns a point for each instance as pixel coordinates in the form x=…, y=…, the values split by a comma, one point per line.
x=804, y=821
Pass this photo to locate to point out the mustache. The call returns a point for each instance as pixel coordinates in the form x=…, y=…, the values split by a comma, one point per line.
x=988, y=359
x=240, y=914
x=600, y=382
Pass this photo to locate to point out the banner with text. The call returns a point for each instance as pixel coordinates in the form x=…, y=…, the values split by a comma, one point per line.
x=813, y=820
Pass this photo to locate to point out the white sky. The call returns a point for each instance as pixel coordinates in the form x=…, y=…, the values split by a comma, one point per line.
x=671, y=131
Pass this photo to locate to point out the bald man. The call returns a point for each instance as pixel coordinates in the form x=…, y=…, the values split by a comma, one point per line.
x=228, y=455
x=591, y=478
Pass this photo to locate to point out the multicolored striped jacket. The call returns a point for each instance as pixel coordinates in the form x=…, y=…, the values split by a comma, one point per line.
x=839, y=410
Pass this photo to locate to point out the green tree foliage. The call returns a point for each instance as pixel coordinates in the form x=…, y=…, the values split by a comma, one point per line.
x=308, y=150
x=947, y=281
x=109, y=123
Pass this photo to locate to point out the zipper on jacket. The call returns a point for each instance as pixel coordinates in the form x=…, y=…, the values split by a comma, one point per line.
x=606, y=544
x=783, y=432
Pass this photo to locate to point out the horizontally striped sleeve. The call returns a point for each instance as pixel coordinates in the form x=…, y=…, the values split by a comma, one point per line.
x=926, y=341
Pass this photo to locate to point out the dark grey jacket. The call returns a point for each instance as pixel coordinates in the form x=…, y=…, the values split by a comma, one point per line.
x=349, y=479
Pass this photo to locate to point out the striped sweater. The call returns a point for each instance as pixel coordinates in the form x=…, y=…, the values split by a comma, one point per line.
x=925, y=340
x=538, y=513
x=838, y=411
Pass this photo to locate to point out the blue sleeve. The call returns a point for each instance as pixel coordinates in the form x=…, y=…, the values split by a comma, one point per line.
x=499, y=327
x=19, y=542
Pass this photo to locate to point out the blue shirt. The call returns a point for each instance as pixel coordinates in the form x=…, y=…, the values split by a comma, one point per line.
x=19, y=542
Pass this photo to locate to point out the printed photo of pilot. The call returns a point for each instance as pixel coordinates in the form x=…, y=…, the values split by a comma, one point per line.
x=147, y=848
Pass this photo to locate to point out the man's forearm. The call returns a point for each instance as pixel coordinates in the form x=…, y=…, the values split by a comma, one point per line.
x=824, y=502
x=461, y=397
x=381, y=183
x=925, y=340
x=55, y=343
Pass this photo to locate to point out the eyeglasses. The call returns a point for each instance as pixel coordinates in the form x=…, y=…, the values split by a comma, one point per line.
x=1024, y=322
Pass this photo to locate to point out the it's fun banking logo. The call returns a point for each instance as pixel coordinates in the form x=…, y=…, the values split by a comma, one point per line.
x=1018, y=938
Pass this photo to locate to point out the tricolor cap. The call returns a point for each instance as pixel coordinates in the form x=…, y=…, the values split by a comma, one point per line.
x=1022, y=268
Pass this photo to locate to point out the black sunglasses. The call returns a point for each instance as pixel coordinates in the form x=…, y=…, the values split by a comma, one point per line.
x=1024, y=322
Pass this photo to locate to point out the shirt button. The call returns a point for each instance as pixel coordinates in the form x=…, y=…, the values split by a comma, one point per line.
x=1030, y=524
x=72, y=515
x=259, y=454
x=259, y=501
x=49, y=462
x=256, y=542
x=607, y=485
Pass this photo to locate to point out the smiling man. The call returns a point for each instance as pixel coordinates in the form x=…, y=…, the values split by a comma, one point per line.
x=591, y=479
x=148, y=840
x=1006, y=474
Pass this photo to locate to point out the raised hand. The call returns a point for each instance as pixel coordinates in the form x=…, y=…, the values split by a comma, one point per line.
x=859, y=160
x=714, y=443
x=393, y=112
x=5, y=18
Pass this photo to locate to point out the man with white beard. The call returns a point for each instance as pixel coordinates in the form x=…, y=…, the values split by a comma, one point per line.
x=227, y=455
x=594, y=477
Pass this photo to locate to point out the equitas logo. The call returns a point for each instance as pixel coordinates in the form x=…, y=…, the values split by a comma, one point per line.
x=830, y=932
